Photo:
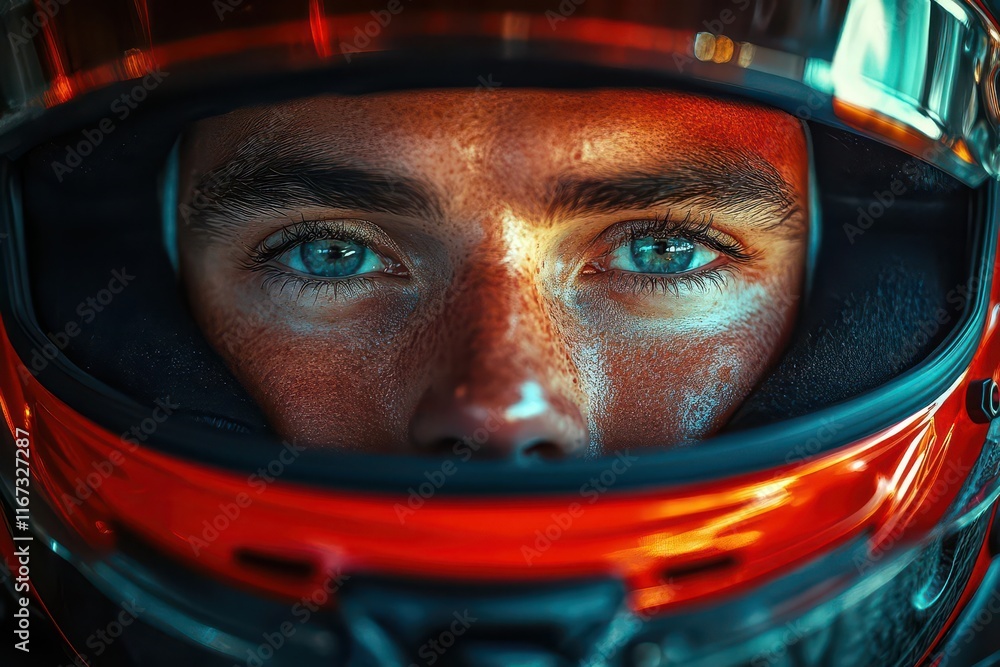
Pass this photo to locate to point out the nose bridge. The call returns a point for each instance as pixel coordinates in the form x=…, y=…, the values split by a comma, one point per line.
x=501, y=359
x=500, y=332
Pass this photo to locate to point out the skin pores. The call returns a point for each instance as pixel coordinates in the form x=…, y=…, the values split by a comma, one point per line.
x=540, y=273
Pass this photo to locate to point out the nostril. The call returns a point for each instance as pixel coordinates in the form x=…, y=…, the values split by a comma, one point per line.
x=543, y=450
x=455, y=422
x=442, y=447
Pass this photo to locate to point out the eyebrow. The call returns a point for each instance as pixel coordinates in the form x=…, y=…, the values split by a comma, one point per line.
x=734, y=181
x=252, y=183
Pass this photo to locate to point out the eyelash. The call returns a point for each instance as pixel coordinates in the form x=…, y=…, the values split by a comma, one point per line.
x=276, y=279
x=699, y=229
x=302, y=232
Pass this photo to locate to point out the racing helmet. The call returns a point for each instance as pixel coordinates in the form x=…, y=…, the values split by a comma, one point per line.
x=844, y=514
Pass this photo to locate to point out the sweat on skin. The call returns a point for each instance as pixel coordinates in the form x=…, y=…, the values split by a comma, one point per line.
x=501, y=233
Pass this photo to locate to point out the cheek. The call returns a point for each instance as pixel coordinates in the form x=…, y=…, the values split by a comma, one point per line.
x=328, y=376
x=677, y=391
x=678, y=379
x=323, y=391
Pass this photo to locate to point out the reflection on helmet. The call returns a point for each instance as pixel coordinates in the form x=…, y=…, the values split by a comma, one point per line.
x=574, y=334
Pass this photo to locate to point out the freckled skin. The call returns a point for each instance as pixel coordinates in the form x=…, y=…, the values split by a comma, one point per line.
x=497, y=303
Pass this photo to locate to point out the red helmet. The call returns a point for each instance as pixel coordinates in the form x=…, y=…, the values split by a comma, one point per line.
x=844, y=514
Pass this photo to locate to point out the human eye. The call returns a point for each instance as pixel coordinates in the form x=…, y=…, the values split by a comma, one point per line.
x=319, y=256
x=332, y=258
x=666, y=255
x=663, y=254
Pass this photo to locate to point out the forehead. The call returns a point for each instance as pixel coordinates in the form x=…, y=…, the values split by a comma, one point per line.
x=501, y=129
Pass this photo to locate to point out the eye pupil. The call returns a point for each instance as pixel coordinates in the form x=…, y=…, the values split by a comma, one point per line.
x=662, y=255
x=332, y=258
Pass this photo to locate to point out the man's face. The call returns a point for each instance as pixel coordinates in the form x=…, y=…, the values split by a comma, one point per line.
x=538, y=273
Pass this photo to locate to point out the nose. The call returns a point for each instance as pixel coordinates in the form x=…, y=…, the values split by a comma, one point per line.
x=464, y=422
x=504, y=386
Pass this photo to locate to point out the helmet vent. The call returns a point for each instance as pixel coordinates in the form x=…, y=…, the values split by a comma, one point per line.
x=277, y=565
x=700, y=567
x=939, y=575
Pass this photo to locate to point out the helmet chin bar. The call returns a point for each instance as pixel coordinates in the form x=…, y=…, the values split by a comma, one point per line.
x=670, y=547
x=634, y=571
x=868, y=513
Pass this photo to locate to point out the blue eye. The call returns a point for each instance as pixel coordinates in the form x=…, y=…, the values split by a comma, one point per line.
x=332, y=258
x=650, y=254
